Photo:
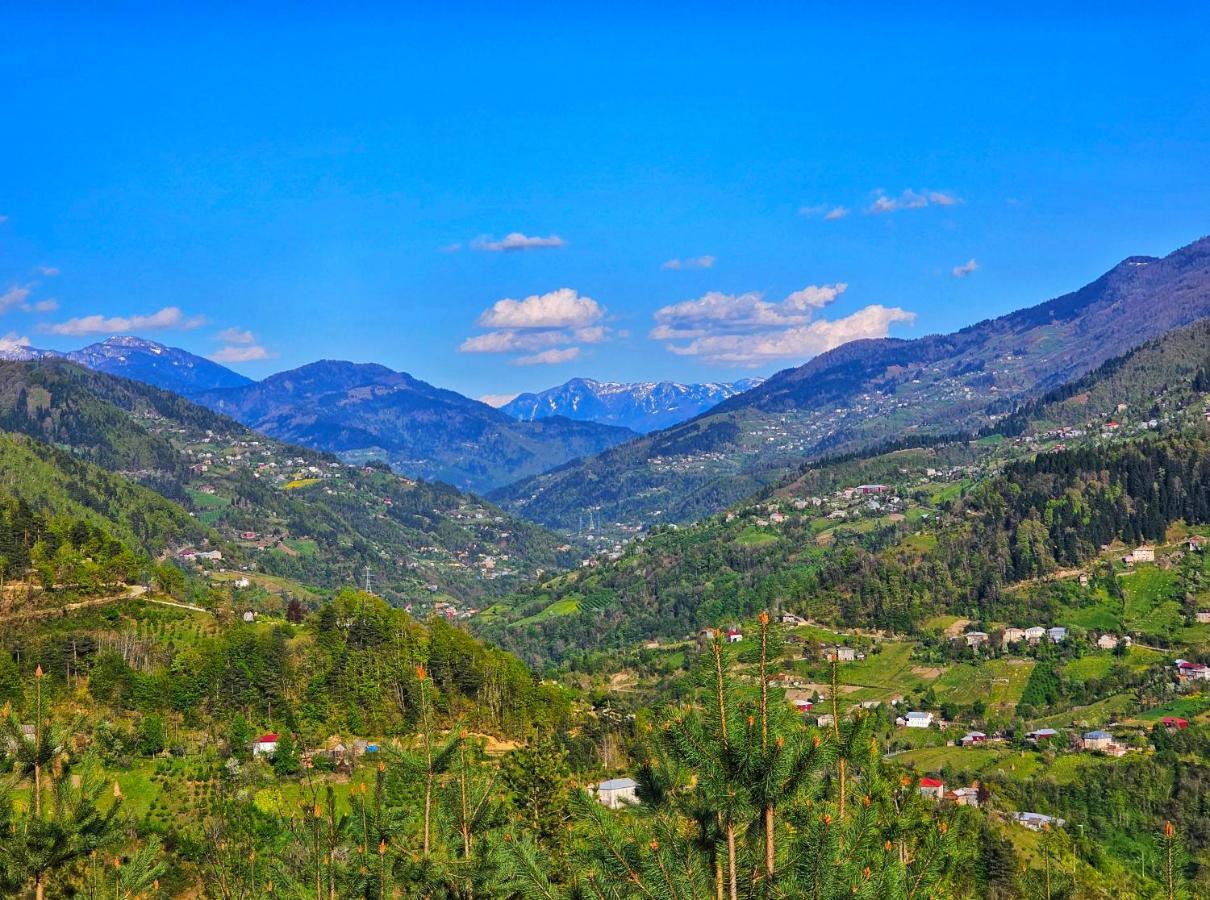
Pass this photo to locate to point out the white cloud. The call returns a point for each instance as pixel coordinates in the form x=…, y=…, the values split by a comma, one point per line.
x=746, y=329
x=965, y=269
x=450, y=248
x=170, y=317
x=909, y=199
x=694, y=262
x=14, y=296
x=13, y=341
x=517, y=241
x=48, y=271
x=743, y=311
x=497, y=400
x=236, y=336
x=826, y=211
x=563, y=308
x=549, y=357
x=542, y=325
x=41, y=306
x=245, y=353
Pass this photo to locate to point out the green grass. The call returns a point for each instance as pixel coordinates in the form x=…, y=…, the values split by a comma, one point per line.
x=1089, y=668
x=890, y=671
x=564, y=607
x=1149, y=604
x=999, y=683
x=302, y=546
x=754, y=537
x=1185, y=708
x=210, y=507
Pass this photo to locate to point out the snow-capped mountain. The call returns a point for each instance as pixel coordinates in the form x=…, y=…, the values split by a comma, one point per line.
x=164, y=367
x=14, y=352
x=641, y=406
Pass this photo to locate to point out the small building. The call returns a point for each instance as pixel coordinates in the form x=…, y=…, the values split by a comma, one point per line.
x=1196, y=543
x=1057, y=635
x=1108, y=641
x=1145, y=553
x=1041, y=735
x=840, y=654
x=964, y=796
x=791, y=619
x=803, y=706
x=265, y=745
x=1202, y=616
x=1012, y=635
x=1174, y=723
x=918, y=720
x=734, y=635
x=1037, y=821
x=973, y=739
x=617, y=793
x=249, y=616
x=827, y=720
x=1098, y=740
x=977, y=638
x=1035, y=633
x=933, y=788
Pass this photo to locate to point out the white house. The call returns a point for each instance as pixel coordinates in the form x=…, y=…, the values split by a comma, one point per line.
x=841, y=654
x=617, y=793
x=791, y=619
x=976, y=638
x=933, y=788
x=1203, y=616
x=1035, y=821
x=1057, y=635
x=1035, y=633
x=1144, y=553
x=734, y=636
x=265, y=745
x=1012, y=635
x=918, y=720
x=1098, y=740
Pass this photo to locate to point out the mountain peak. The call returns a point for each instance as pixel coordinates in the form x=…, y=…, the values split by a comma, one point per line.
x=642, y=406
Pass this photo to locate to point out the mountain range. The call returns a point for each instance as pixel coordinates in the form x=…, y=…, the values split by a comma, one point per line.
x=367, y=411
x=282, y=509
x=869, y=392
x=153, y=363
x=359, y=411
x=640, y=406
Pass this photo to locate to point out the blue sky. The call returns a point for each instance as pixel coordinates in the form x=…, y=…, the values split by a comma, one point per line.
x=297, y=186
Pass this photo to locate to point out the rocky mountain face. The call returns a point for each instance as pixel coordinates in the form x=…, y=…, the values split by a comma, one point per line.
x=870, y=392
x=367, y=411
x=640, y=406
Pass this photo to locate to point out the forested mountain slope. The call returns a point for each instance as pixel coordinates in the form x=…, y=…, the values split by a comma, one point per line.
x=290, y=511
x=867, y=392
x=1085, y=459
x=366, y=411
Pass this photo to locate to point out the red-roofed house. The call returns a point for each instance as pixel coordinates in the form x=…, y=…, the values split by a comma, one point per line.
x=265, y=745
x=1175, y=722
x=932, y=787
x=734, y=635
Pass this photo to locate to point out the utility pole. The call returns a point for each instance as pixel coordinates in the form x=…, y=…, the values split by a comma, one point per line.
x=368, y=591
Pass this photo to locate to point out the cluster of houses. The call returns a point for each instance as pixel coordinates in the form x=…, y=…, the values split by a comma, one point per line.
x=1191, y=671
x=1033, y=635
x=934, y=789
x=335, y=752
